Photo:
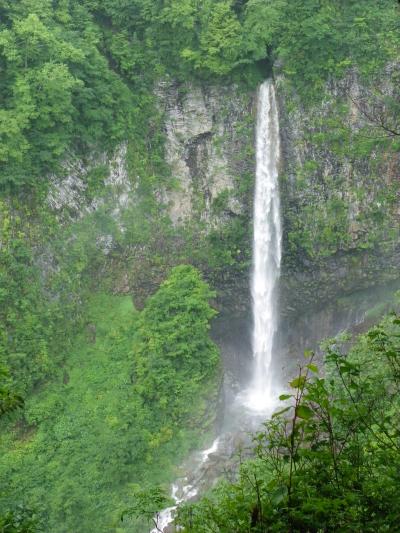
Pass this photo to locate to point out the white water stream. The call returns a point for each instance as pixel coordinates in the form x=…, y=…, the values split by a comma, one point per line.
x=183, y=490
x=261, y=394
x=259, y=397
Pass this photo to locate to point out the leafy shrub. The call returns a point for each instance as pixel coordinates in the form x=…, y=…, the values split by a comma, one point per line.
x=329, y=459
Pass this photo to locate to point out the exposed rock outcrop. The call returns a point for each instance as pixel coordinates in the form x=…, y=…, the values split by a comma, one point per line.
x=340, y=197
x=203, y=146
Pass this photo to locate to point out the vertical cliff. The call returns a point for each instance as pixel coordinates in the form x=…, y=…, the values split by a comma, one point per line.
x=339, y=190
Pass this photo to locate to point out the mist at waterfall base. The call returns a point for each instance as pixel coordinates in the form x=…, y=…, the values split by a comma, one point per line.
x=259, y=398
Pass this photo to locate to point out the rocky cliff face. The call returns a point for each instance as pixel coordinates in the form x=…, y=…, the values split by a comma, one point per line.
x=191, y=212
x=340, y=193
x=71, y=194
x=203, y=146
x=209, y=149
x=340, y=201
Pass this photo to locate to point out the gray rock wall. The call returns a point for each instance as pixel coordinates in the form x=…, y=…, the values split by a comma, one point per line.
x=341, y=229
x=203, y=146
x=340, y=197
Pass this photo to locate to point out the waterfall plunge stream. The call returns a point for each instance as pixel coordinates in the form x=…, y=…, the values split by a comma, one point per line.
x=259, y=397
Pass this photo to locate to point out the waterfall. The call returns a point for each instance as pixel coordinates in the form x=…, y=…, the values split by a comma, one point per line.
x=266, y=250
x=259, y=397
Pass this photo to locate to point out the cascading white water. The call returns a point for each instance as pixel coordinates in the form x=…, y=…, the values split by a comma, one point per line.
x=266, y=250
x=183, y=490
x=259, y=397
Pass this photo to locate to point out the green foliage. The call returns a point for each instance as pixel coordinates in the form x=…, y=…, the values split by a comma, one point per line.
x=21, y=520
x=57, y=90
x=329, y=460
x=79, y=75
x=229, y=248
x=9, y=400
x=175, y=361
x=40, y=299
x=25, y=322
x=320, y=39
x=261, y=26
x=85, y=419
x=127, y=404
x=321, y=232
x=148, y=502
x=220, y=39
x=344, y=196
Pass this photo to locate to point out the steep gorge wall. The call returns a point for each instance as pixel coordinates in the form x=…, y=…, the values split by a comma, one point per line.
x=340, y=205
x=340, y=195
x=340, y=199
x=203, y=146
x=199, y=211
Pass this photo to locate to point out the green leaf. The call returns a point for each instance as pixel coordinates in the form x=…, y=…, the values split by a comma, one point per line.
x=284, y=397
x=308, y=354
x=279, y=413
x=279, y=495
x=304, y=412
x=298, y=382
x=313, y=368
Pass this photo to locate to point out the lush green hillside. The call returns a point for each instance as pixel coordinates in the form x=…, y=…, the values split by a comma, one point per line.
x=114, y=396
x=128, y=403
x=78, y=78
x=78, y=74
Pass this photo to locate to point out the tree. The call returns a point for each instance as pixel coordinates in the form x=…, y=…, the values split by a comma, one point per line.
x=220, y=39
x=20, y=519
x=175, y=361
x=329, y=460
x=148, y=502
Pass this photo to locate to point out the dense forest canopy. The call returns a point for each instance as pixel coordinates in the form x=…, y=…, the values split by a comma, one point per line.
x=133, y=389
x=77, y=75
